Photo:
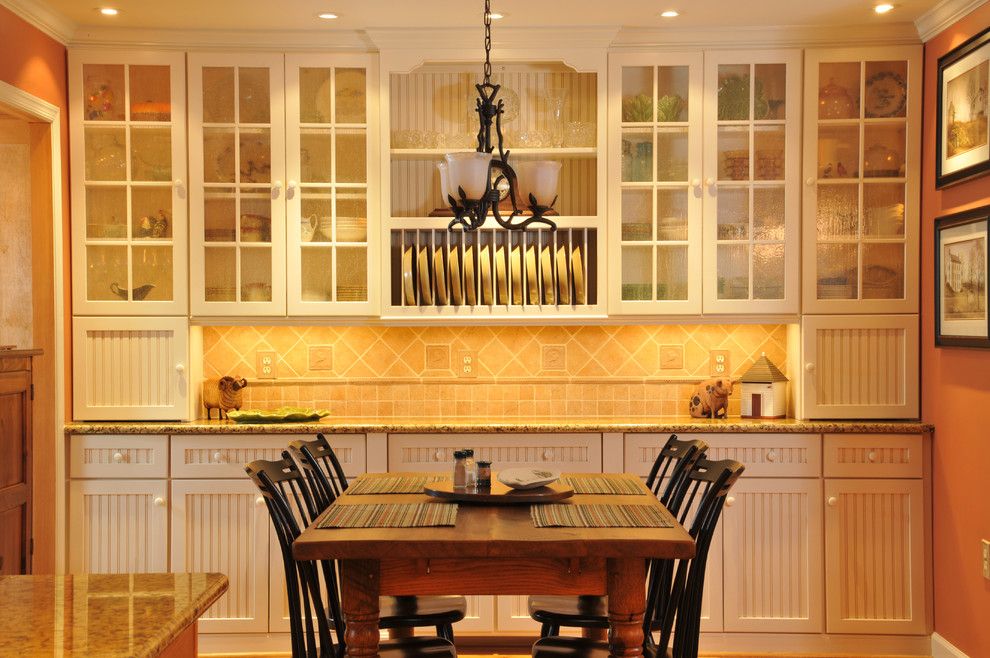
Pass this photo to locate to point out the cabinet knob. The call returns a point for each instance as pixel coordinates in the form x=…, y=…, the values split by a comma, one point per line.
x=217, y=457
x=159, y=501
x=809, y=367
x=710, y=182
x=871, y=457
x=259, y=501
x=547, y=454
x=730, y=501
x=438, y=455
x=771, y=456
x=180, y=368
x=695, y=182
x=832, y=501
x=276, y=189
x=809, y=181
x=177, y=182
x=118, y=457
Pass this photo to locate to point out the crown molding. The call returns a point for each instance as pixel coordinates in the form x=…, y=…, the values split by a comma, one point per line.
x=39, y=15
x=226, y=40
x=942, y=15
x=781, y=36
x=502, y=37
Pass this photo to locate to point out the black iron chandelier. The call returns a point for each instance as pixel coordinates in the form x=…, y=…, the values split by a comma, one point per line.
x=475, y=182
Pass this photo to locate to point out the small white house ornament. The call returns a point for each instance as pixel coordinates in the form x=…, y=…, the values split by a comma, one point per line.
x=764, y=391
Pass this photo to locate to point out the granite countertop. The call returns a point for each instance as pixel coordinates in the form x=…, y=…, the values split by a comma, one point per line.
x=133, y=615
x=502, y=425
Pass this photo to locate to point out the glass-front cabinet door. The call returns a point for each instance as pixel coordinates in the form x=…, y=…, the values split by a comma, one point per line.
x=332, y=169
x=655, y=195
x=861, y=166
x=237, y=190
x=752, y=181
x=128, y=137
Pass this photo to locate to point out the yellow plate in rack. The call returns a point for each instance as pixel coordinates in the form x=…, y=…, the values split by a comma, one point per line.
x=531, y=280
x=577, y=271
x=423, y=274
x=486, y=275
x=440, y=276
x=546, y=267
x=563, y=276
x=454, y=268
x=515, y=265
x=470, y=285
x=408, y=284
x=500, y=278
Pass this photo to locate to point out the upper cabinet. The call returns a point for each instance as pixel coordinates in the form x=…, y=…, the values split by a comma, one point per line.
x=752, y=206
x=552, y=111
x=127, y=145
x=332, y=169
x=861, y=169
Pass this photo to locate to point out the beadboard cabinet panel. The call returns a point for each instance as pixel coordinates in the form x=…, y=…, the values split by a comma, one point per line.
x=870, y=456
x=118, y=456
x=577, y=453
x=216, y=456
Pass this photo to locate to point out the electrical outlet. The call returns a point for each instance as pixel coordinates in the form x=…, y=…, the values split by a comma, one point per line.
x=986, y=559
x=467, y=363
x=321, y=357
x=265, y=367
x=719, y=363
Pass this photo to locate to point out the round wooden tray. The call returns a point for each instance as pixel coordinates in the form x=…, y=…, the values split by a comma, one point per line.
x=499, y=494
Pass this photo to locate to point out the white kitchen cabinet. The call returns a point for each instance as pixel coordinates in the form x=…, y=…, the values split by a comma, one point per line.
x=655, y=194
x=752, y=147
x=859, y=366
x=862, y=155
x=332, y=156
x=216, y=456
x=575, y=453
x=114, y=456
x=127, y=126
x=130, y=368
x=237, y=184
x=772, y=556
x=118, y=526
x=875, y=556
x=223, y=526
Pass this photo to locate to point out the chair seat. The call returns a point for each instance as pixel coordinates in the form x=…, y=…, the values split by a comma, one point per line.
x=430, y=647
x=395, y=611
x=574, y=611
x=577, y=647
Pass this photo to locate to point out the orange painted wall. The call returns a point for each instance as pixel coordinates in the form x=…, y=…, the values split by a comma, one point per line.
x=955, y=394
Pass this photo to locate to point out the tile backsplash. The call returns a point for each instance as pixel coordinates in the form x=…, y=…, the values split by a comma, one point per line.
x=625, y=371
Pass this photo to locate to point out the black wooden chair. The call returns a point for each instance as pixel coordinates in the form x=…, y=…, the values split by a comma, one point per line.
x=287, y=492
x=673, y=610
x=666, y=479
x=327, y=478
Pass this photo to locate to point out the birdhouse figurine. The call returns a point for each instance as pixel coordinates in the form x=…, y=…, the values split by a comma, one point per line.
x=764, y=391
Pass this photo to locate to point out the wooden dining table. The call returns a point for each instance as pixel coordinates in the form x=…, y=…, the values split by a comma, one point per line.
x=493, y=549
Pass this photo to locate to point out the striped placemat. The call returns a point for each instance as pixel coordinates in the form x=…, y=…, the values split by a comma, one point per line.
x=400, y=484
x=601, y=516
x=603, y=484
x=416, y=515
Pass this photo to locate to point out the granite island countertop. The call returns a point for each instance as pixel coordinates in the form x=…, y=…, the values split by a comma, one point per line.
x=502, y=425
x=134, y=615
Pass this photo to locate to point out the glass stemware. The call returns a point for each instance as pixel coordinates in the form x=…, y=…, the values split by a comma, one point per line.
x=554, y=97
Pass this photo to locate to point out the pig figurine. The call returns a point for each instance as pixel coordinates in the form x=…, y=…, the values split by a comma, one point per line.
x=223, y=395
x=711, y=399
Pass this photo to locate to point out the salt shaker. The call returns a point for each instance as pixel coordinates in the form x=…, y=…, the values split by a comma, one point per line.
x=460, y=469
x=470, y=469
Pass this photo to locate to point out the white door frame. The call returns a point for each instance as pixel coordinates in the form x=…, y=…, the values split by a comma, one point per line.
x=44, y=112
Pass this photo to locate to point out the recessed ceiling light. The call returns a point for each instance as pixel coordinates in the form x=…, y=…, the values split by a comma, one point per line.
x=497, y=16
x=327, y=16
x=109, y=11
x=883, y=8
x=670, y=13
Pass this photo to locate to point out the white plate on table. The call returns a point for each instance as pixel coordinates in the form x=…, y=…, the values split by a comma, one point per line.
x=527, y=478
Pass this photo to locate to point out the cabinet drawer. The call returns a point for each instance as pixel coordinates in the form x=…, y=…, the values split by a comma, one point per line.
x=224, y=455
x=118, y=456
x=765, y=455
x=873, y=456
x=576, y=453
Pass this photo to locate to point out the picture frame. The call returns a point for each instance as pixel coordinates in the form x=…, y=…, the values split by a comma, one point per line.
x=963, y=134
x=961, y=318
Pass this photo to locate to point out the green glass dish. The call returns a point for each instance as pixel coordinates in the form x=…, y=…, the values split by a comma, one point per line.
x=280, y=415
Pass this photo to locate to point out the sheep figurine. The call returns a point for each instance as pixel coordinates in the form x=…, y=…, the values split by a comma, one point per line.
x=711, y=399
x=223, y=395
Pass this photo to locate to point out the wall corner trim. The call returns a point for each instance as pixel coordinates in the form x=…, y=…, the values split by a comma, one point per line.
x=44, y=18
x=942, y=648
x=943, y=15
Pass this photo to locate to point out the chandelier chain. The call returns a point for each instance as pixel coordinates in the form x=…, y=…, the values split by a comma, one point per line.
x=488, y=42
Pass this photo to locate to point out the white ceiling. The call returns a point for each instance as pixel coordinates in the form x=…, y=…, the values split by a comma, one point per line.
x=359, y=14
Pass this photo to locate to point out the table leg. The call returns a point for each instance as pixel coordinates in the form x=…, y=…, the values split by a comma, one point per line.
x=626, y=583
x=359, y=589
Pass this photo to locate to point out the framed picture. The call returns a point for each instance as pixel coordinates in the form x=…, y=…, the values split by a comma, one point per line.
x=962, y=139
x=961, y=279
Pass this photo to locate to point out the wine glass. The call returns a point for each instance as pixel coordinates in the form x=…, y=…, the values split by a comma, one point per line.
x=554, y=98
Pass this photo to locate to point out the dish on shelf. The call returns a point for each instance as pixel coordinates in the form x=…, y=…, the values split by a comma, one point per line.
x=221, y=293
x=439, y=278
x=470, y=286
x=834, y=102
x=352, y=293
x=454, y=268
x=579, y=134
x=577, y=271
x=256, y=228
x=531, y=280
x=637, y=291
x=885, y=95
x=280, y=415
x=307, y=228
x=515, y=266
x=486, y=275
x=256, y=292
x=500, y=277
x=408, y=287
x=546, y=268
x=423, y=274
x=636, y=231
x=563, y=276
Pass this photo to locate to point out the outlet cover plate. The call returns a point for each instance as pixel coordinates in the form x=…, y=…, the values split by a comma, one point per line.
x=266, y=366
x=719, y=363
x=467, y=363
x=321, y=357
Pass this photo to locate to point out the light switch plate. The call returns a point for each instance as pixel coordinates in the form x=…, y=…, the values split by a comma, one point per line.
x=467, y=363
x=719, y=363
x=321, y=357
x=266, y=366
x=671, y=357
x=986, y=559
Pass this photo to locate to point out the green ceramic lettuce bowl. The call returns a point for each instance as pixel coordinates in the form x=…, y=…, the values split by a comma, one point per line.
x=280, y=415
